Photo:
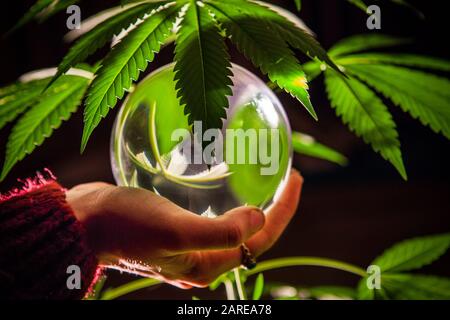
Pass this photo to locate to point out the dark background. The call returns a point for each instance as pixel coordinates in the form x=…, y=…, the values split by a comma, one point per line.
x=351, y=214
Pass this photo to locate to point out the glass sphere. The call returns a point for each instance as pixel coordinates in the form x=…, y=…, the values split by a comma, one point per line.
x=246, y=162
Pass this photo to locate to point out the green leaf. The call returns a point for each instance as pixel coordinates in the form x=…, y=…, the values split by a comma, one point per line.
x=363, y=291
x=416, y=287
x=298, y=4
x=40, y=121
x=38, y=7
x=406, y=287
x=122, y=66
x=313, y=69
x=364, y=42
x=265, y=48
x=56, y=7
x=202, y=69
x=307, y=145
x=425, y=96
x=359, y=3
x=410, y=60
x=42, y=10
x=259, y=287
x=287, y=31
x=17, y=98
x=366, y=115
x=413, y=254
x=103, y=33
x=366, y=293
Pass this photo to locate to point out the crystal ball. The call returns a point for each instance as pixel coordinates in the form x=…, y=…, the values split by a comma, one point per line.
x=246, y=162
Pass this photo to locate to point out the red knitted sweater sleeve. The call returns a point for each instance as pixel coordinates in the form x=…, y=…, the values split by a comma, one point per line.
x=40, y=238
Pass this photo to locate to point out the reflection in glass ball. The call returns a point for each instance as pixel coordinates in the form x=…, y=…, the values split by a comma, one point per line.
x=207, y=172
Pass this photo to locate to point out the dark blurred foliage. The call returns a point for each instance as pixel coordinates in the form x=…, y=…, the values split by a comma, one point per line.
x=350, y=213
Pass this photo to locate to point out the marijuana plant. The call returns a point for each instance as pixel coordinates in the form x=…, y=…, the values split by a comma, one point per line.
x=203, y=73
x=356, y=81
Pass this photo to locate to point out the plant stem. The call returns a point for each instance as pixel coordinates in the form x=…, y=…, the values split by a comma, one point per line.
x=306, y=261
x=153, y=139
x=239, y=286
x=229, y=289
x=112, y=294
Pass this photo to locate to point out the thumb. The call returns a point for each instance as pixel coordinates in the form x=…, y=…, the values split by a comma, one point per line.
x=227, y=231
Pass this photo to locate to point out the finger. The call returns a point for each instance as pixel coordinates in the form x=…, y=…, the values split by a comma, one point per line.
x=153, y=222
x=227, y=231
x=276, y=221
x=279, y=215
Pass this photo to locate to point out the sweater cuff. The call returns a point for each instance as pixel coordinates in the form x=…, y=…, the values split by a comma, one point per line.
x=43, y=245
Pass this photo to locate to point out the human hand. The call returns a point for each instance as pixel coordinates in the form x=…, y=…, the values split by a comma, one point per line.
x=138, y=231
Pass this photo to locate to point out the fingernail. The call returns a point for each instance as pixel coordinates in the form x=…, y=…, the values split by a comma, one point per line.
x=257, y=219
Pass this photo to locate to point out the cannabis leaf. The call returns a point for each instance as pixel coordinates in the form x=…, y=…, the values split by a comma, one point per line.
x=17, y=98
x=32, y=12
x=364, y=42
x=42, y=9
x=268, y=40
x=55, y=7
x=103, y=33
x=298, y=4
x=203, y=29
x=123, y=65
x=416, y=287
x=405, y=256
x=263, y=46
x=259, y=287
x=413, y=254
x=366, y=115
x=358, y=3
x=364, y=292
x=38, y=123
x=202, y=68
x=408, y=60
x=292, y=35
x=426, y=98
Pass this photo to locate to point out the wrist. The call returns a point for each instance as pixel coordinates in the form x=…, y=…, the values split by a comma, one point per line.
x=87, y=203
